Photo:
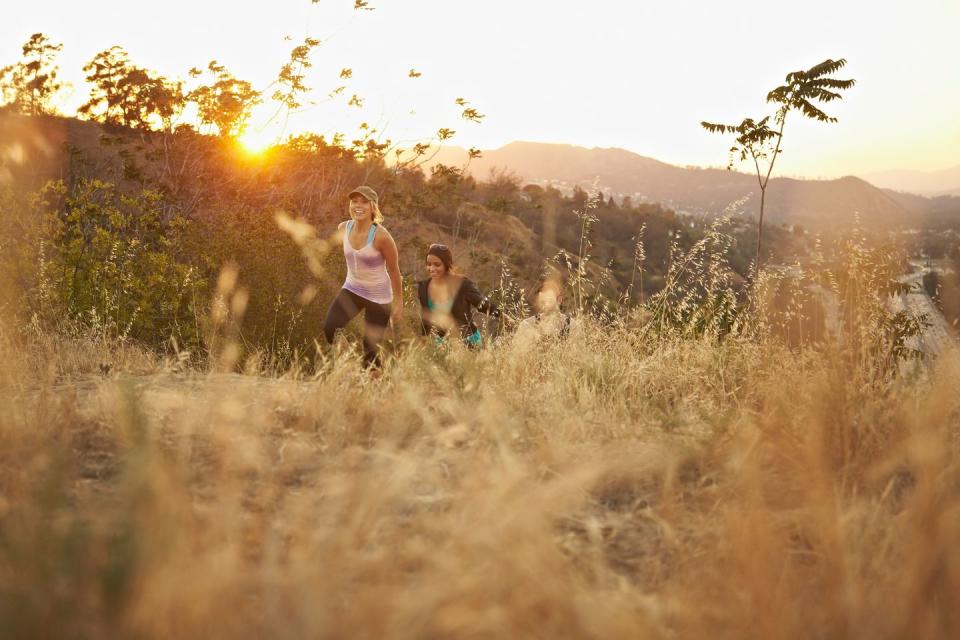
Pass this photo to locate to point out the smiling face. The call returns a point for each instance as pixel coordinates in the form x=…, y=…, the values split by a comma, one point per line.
x=435, y=267
x=360, y=208
x=549, y=298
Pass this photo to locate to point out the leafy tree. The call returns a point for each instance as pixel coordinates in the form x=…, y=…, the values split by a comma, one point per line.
x=580, y=197
x=501, y=191
x=106, y=72
x=29, y=85
x=116, y=262
x=756, y=140
x=126, y=94
x=226, y=103
x=162, y=99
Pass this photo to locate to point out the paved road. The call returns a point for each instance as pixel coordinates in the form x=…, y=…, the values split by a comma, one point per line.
x=938, y=336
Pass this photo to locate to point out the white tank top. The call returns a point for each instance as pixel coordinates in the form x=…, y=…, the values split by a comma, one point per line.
x=366, y=269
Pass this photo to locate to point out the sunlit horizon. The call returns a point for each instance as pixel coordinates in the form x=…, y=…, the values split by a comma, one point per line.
x=637, y=78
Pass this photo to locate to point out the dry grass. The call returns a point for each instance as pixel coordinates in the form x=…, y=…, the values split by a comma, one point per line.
x=606, y=487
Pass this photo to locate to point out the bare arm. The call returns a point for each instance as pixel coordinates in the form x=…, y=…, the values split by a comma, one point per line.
x=388, y=248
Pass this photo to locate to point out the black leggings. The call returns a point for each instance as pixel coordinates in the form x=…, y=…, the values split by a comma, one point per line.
x=345, y=308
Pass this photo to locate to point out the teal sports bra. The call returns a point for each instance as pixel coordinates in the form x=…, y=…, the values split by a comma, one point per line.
x=473, y=340
x=446, y=307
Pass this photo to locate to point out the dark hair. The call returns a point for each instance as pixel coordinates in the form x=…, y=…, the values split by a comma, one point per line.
x=443, y=252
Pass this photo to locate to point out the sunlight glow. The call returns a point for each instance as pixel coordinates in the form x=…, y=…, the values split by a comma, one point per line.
x=534, y=86
x=256, y=142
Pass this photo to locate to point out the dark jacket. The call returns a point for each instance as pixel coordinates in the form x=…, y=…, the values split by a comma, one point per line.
x=468, y=297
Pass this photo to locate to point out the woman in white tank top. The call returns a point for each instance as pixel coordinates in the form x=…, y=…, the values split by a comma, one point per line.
x=373, y=283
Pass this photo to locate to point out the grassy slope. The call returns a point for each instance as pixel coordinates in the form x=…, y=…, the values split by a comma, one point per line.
x=611, y=486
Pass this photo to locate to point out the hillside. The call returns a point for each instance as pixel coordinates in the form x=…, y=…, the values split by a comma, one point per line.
x=821, y=204
x=928, y=212
x=204, y=177
x=143, y=222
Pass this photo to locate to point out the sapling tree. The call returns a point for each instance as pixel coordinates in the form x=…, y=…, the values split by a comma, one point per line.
x=30, y=85
x=758, y=141
x=123, y=93
x=226, y=103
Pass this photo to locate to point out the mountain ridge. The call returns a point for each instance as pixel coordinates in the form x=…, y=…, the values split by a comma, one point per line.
x=942, y=182
x=693, y=190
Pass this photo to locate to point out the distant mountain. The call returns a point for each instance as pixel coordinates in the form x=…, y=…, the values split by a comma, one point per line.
x=938, y=212
x=811, y=203
x=928, y=183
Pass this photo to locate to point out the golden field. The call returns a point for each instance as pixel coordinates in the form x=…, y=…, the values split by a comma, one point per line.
x=621, y=483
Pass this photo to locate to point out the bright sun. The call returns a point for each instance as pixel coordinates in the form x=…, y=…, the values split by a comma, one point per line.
x=256, y=142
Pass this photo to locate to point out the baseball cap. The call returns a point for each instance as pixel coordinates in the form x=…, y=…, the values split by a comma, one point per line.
x=366, y=192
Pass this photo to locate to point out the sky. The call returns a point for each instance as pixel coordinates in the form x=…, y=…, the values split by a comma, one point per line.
x=604, y=73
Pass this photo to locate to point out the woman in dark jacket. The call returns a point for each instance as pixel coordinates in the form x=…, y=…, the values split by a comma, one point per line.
x=447, y=299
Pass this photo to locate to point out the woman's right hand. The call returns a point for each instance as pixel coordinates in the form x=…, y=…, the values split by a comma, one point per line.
x=396, y=315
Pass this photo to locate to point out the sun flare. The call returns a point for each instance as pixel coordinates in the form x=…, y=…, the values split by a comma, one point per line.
x=256, y=142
